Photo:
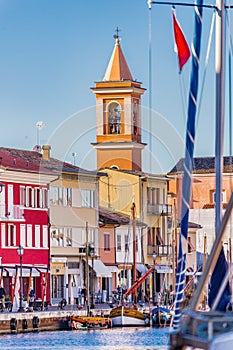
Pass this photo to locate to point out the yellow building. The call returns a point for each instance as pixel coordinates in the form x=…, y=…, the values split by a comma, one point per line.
x=119, y=154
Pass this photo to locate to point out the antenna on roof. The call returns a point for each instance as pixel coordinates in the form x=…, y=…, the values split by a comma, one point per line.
x=39, y=125
x=74, y=155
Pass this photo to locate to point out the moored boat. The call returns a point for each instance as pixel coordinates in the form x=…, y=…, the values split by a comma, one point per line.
x=128, y=316
x=90, y=322
x=161, y=316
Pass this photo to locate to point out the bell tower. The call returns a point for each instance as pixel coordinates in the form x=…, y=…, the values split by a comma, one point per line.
x=118, y=115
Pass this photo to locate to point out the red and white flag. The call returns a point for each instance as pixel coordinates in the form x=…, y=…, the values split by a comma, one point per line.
x=182, y=47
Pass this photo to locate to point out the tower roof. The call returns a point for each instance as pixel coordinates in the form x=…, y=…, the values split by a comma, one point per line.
x=117, y=68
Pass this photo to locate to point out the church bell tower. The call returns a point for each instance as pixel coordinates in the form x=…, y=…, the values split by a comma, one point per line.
x=118, y=116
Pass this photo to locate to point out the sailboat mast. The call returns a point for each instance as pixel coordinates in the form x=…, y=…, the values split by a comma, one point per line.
x=87, y=274
x=220, y=95
x=134, y=252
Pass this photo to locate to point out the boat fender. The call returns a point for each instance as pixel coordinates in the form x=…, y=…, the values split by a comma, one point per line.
x=25, y=323
x=13, y=324
x=35, y=322
x=147, y=321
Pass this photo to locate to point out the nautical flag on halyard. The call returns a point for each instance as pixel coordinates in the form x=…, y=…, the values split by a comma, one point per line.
x=182, y=47
x=188, y=166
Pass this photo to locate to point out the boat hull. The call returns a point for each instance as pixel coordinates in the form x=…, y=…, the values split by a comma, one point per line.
x=161, y=317
x=129, y=317
x=85, y=322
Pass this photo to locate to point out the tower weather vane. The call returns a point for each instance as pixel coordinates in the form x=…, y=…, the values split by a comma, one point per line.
x=116, y=36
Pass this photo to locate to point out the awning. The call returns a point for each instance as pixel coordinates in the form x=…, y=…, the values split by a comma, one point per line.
x=26, y=272
x=100, y=269
x=9, y=271
x=141, y=268
x=112, y=269
x=163, y=269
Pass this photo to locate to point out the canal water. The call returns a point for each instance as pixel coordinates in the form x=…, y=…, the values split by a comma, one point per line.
x=107, y=339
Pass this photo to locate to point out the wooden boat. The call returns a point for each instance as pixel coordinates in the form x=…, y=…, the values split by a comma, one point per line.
x=125, y=315
x=128, y=316
x=90, y=322
x=161, y=316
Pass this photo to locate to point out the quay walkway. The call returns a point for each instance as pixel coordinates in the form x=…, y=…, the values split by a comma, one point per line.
x=51, y=319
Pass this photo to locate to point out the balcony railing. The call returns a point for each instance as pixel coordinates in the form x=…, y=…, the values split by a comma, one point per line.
x=15, y=212
x=160, y=250
x=159, y=209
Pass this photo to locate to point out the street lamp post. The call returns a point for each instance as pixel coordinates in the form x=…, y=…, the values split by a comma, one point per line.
x=92, y=254
x=153, y=275
x=20, y=251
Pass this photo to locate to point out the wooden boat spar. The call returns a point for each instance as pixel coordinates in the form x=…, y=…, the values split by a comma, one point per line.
x=130, y=315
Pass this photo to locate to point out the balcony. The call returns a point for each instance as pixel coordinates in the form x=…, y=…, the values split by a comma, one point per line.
x=160, y=250
x=159, y=209
x=15, y=212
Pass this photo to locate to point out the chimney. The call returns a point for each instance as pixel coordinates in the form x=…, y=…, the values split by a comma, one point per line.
x=46, y=152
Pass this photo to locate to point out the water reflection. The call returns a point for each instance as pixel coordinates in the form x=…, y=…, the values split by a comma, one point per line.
x=111, y=339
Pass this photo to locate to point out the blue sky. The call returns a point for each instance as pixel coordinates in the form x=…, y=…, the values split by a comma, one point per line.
x=52, y=52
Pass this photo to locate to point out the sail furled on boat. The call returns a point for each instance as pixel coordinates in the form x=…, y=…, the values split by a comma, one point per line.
x=182, y=47
x=217, y=278
x=188, y=164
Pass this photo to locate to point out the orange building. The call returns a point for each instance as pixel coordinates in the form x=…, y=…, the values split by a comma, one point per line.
x=202, y=203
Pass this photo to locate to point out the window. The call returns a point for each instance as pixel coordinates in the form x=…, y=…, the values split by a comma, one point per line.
x=126, y=243
x=153, y=195
x=149, y=238
x=37, y=236
x=45, y=236
x=60, y=196
x=29, y=197
x=11, y=236
x=68, y=237
x=135, y=122
x=54, y=238
x=36, y=197
x=159, y=239
x=67, y=197
x=88, y=198
x=23, y=235
x=29, y=236
x=44, y=198
x=118, y=243
x=107, y=242
x=58, y=237
x=3, y=236
x=53, y=195
x=114, y=118
x=22, y=196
